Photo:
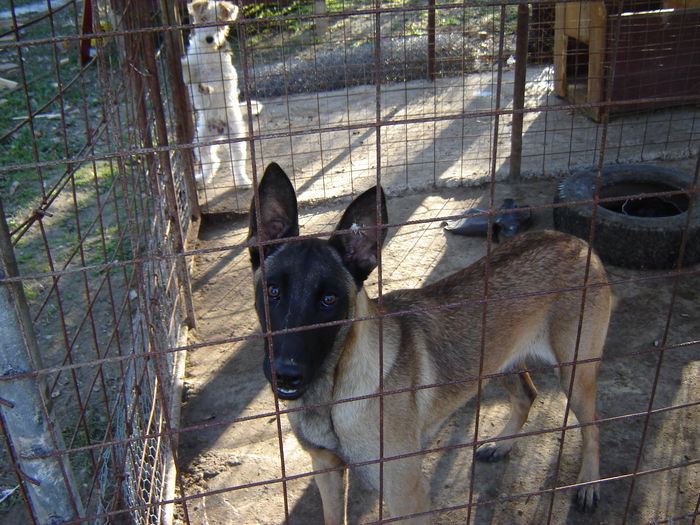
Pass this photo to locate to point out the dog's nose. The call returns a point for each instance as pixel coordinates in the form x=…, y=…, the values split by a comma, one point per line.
x=289, y=377
x=209, y=39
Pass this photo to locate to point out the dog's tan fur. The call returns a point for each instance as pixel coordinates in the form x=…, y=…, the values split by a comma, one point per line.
x=432, y=343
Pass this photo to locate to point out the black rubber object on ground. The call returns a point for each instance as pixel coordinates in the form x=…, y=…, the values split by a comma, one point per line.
x=641, y=232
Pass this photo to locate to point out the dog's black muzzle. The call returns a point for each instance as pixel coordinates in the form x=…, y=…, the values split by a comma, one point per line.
x=289, y=377
x=290, y=380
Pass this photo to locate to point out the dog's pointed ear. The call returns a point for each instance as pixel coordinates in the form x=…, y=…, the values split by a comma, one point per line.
x=198, y=11
x=226, y=11
x=278, y=212
x=359, y=247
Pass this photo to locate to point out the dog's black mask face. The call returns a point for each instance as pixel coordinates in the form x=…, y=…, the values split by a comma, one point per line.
x=307, y=285
x=307, y=282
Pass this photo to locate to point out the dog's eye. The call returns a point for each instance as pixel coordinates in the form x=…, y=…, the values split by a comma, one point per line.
x=273, y=291
x=328, y=299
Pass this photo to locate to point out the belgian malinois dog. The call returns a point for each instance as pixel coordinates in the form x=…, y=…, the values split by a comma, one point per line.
x=429, y=336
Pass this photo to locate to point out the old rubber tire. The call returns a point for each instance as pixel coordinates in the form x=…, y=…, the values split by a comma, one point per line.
x=624, y=240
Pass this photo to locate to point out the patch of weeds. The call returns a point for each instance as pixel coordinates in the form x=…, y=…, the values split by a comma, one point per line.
x=113, y=248
x=55, y=133
x=488, y=17
x=11, y=502
x=30, y=292
x=295, y=38
x=101, y=241
x=92, y=430
x=23, y=148
x=359, y=5
x=269, y=36
x=30, y=260
x=418, y=25
x=293, y=25
x=98, y=177
x=358, y=43
x=447, y=20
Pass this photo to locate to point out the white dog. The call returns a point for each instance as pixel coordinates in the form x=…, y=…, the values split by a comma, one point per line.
x=213, y=82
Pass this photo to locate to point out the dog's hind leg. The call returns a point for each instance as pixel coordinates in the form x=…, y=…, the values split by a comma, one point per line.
x=579, y=382
x=583, y=395
x=208, y=162
x=208, y=154
x=238, y=150
x=522, y=393
x=239, y=155
x=330, y=484
x=205, y=161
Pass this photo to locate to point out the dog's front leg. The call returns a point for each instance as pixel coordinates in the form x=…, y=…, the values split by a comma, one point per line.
x=330, y=484
x=405, y=490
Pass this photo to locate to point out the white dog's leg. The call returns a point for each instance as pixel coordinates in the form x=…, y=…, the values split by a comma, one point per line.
x=204, y=153
x=239, y=157
x=220, y=155
x=238, y=150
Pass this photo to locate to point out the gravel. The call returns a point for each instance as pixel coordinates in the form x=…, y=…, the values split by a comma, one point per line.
x=402, y=59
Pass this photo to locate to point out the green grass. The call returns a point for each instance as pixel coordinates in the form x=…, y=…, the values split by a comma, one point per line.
x=265, y=11
x=14, y=499
x=98, y=178
x=93, y=188
x=48, y=139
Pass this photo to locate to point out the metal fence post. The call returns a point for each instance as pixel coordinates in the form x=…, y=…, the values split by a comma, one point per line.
x=516, y=137
x=25, y=414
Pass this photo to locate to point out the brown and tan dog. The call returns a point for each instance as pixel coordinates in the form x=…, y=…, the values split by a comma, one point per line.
x=429, y=336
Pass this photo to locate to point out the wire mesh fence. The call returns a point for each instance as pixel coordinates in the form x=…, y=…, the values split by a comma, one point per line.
x=124, y=121
x=95, y=210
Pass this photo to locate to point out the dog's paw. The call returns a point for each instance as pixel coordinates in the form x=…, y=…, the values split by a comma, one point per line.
x=491, y=452
x=255, y=107
x=587, y=498
x=203, y=177
x=242, y=181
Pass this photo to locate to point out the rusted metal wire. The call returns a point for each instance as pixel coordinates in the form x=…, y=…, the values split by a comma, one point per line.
x=110, y=302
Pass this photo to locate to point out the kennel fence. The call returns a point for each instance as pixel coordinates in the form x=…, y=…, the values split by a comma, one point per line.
x=348, y=101
x=96, y=213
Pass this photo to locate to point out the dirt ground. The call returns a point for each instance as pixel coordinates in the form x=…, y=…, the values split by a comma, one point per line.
x=440, y=134
x=230, y=452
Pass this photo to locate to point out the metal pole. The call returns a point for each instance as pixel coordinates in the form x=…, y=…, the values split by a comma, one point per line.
x=24, y=409
x=321, y=23
x=182, y=105
x=431, y=40
x=177, y=234
x=516, y=137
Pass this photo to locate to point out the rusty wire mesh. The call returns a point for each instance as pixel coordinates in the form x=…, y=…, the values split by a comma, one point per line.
x=97, y=209
x=98, y=189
